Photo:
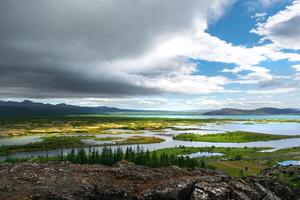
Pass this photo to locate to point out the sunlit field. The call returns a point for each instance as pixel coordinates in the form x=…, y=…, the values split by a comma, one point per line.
x=239, y=153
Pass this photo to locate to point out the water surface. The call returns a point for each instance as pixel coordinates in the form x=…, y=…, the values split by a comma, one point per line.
x=271, y=128
x=289, y=162
x=203, y=154
x=289, y=128
x=21, y=140
x=192, y=115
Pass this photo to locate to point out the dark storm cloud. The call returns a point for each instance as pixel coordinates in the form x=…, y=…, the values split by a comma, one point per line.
x=48, y=83
x=57, y=48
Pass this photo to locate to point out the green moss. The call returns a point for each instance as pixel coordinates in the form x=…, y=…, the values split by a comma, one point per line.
x=292, y=179
x=237, y=137
x=141, y=140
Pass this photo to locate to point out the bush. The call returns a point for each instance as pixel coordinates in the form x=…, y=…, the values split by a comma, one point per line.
x=238, y=157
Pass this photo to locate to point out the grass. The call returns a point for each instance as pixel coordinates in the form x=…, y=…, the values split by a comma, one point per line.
x=91, y=124
x=238, y=167
x=246, y=153
x=131, y=140
x=57, y=142
x=235, y=160
x=237, y=137
x=2, y=150
x=229, y=153
x=289, y=178
x=108, y=138
x=81, y=130
x=185, y=129
x=99, y=124
x=52, y=142
x=121, y=132
x=141, y=140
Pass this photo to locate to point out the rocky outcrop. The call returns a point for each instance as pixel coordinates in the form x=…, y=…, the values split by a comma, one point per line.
x=128, y=181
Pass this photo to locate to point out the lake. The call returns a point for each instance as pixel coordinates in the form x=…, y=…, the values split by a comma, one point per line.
x=212, y=128
x=191, y=115
x=289, y=162
x=268, y=128
x=203, y=154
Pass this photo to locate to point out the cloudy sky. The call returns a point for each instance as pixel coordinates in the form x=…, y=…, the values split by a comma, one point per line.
x=151, y=54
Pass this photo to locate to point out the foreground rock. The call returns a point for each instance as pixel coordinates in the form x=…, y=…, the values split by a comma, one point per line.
x=127, y=181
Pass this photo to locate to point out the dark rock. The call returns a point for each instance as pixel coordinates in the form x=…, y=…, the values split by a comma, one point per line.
x=131, y=182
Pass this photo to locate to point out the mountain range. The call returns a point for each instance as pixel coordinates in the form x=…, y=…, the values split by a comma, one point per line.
x=11, y=108
x=260, y=111
x=29, y=108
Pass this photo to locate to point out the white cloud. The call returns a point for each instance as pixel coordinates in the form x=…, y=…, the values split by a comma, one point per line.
x=272, y=91
x=283, y=28
x=164, y=68
x=210, y=48
x=262, y=5
x=257, y=74
x=257, y=69
x=177, y=76
x=259, y=16
x=268, y=3
x=189, y=84
x=247, y=101
x=297, y=75
x=296, y=67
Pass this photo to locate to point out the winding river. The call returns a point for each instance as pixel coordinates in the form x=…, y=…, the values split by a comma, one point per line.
x=269, y=128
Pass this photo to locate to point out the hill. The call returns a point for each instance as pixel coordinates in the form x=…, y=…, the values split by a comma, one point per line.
x=25, y=108
x=260, y=111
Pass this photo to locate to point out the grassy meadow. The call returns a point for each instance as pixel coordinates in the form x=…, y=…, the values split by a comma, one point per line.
x=71, y=131
x=93, y=124
x=236, y=137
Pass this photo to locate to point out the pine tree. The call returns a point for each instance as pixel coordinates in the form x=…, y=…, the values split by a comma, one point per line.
x=154, y=160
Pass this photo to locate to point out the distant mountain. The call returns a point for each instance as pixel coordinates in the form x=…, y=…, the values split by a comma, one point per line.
x=260, y=111
x=11, y=108
x=29, y=108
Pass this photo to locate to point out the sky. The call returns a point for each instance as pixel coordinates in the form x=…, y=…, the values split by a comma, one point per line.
x=151, y=54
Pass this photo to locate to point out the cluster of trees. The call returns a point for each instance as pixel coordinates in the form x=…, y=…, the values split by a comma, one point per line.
x=107, y=156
